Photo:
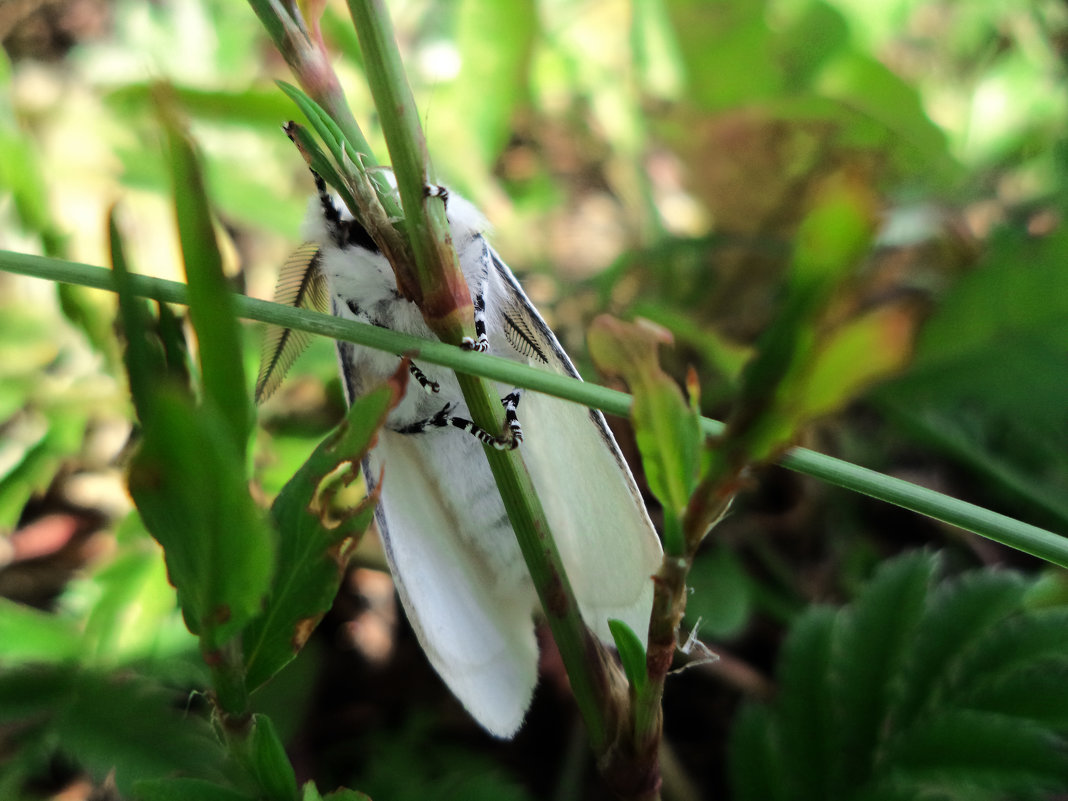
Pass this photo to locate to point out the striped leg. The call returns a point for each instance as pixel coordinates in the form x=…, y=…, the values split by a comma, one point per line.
x=506, y=442
x=432, y=387
x=481, y=343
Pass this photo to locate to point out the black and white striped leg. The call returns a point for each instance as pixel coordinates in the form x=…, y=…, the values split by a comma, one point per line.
x=481, y=341
x=508, y=441
x=432, y=387
x=436, y=190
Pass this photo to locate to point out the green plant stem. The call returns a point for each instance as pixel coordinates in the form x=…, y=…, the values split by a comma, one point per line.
x=445, y=301
x=1000, y=528
x=228, y=678
x=307, y=57
x=579, y=651
x=443, y=296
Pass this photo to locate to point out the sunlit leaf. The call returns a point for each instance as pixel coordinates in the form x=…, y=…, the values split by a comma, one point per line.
x=314, y=544
x=29, y=635
x=666, y=427
x=211, y=307
x=189, y=486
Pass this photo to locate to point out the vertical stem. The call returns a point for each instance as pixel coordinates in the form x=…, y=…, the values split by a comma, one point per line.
x=582, y=654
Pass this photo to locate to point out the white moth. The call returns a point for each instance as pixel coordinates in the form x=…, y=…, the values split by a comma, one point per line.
x=455, y=559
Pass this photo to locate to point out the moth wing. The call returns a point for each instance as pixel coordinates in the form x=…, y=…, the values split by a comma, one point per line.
x=301, y=284
x=606, y=540
x=481, y=644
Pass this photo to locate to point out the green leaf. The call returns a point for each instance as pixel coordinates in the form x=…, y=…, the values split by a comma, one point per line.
x=186, y=790
x=666, y=427
x=144, y=365
x=342, y=794
x=850, y=359
x=135, y=729
x=1006, y=425
x=189, y=486
x=755, y=757
x=631, y=653
x=909, y=694
x=256, y=108
x=133, y=616
x=965, y=754
x=312, y=547
x=959, y=614
x=324, y=125
x=721, y=596
x=318, y=162
x=493, y=79
x=892, y=108
x=809, y=707
x=270, y=765
x=211, y=305
x=831, y=239
x=1013, y=644
x=37, y=464
x=29, y=635
x=1035, y=692
x=731, y=41
x=872, y=642
x=35, y=692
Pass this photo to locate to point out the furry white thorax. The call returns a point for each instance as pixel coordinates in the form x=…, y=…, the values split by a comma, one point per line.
x=361, y=274
x=356, y=274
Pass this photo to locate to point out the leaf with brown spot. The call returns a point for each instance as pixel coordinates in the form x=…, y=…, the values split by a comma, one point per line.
x=315, y=536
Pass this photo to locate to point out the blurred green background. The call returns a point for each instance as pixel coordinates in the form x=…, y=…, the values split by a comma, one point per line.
x=643, y=157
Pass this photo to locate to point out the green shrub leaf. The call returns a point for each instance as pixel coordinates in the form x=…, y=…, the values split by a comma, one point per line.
x=631, y=653
x=186, y=790
x=189, y=486
x=872, y=640
x=313, y=547
x=913, y=693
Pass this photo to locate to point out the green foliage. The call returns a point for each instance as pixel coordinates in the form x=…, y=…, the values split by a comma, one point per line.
x=912, y=691
x=442, y=771
x=721, y=600
x=270, y=765
x=189, y=481
x=666, y=427
x=786, y=383
x=735, y=108
x=211, y=306
x=188, y=478
x=44, y=422
x=105, y=722
x=987, y=386
x=314, y=547
x=631, y=653
x=190, y=490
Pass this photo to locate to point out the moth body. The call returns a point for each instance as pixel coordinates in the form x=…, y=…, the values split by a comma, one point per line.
x=455, y=560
